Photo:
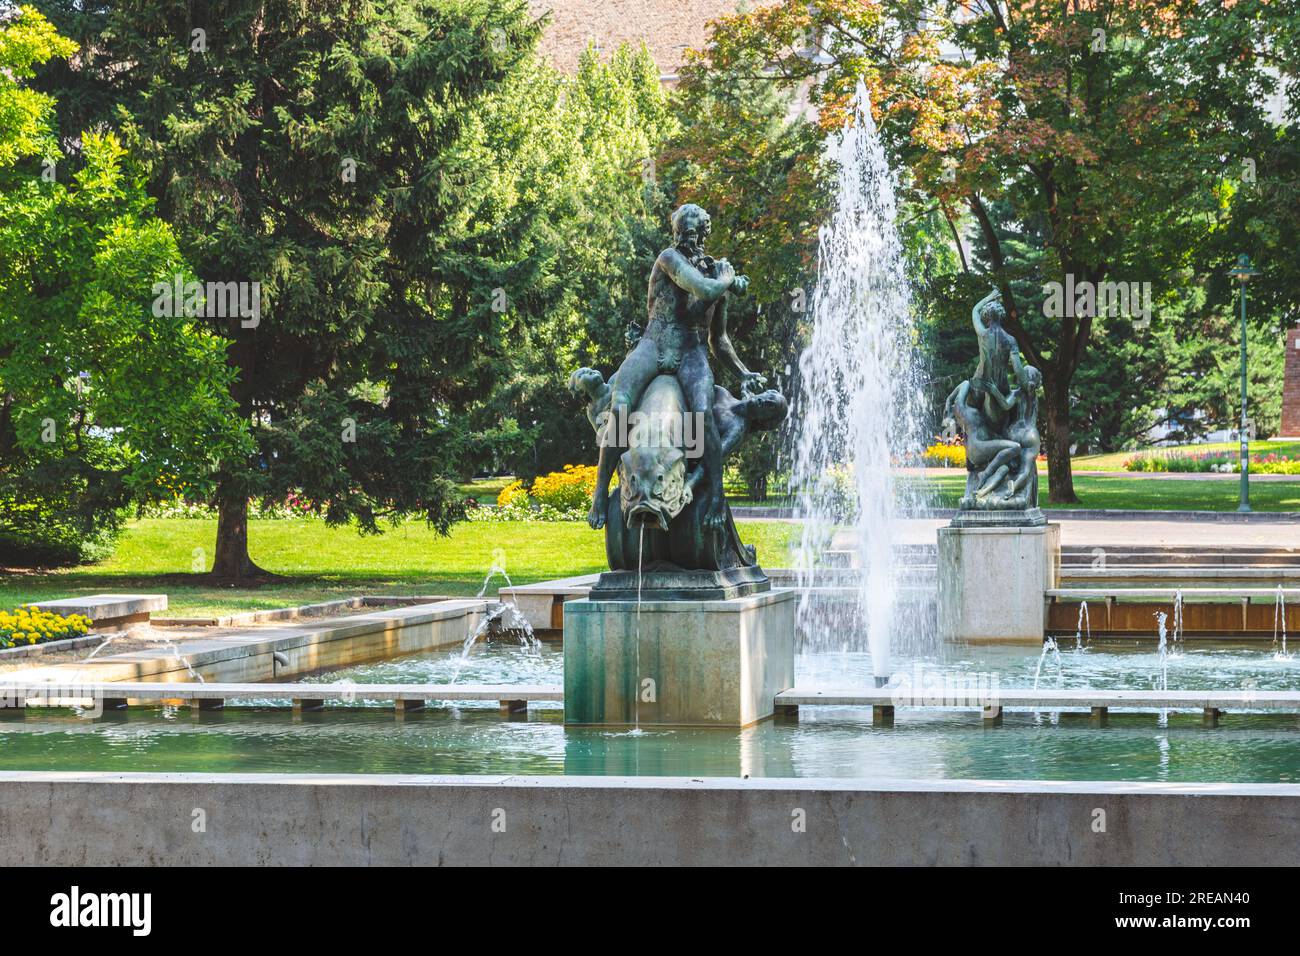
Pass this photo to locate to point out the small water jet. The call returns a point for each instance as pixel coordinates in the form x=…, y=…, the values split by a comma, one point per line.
x=1050, y=647
x=1084, y=622
x=1178, y=616
x=171, y=646
x=1279, y=619
x=1162, y=682
x=501, y=622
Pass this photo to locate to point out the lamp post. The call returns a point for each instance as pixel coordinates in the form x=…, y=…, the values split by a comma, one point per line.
x=1243, y=272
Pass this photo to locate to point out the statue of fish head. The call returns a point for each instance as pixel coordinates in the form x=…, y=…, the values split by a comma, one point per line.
x=652, y=485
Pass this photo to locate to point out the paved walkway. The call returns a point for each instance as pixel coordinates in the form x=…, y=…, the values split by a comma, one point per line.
x=1156, y=532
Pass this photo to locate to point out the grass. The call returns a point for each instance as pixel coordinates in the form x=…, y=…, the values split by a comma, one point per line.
x=320, y=563
x=1143, y=494
x=1114, y=461
x=484, y=490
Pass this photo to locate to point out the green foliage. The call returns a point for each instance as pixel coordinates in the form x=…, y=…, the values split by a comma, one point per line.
x=581, y=149
x=1101, y=129
x=102, y=402
x=439, y=298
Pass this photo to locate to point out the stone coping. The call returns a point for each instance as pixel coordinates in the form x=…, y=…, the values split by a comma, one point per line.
x=578, y=584
x=211, y=650
x=977, y=697
x=730, y=605
x=1167, y=594
x=303, y=610
x=730, y=784
x=13, y=686
x=100, y=607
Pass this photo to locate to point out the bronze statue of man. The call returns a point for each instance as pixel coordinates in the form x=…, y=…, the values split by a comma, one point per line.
x=685, y=310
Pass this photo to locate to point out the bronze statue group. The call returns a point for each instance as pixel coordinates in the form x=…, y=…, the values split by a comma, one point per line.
x=999, y=419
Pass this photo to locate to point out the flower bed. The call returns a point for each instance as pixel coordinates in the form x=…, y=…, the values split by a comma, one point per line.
x=945, y=454
x=1223, y=462
x=563, y=495
x=29, y=625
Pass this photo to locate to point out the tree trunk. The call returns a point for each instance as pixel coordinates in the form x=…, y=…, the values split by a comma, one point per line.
x=231, y=561
x=1060, y=479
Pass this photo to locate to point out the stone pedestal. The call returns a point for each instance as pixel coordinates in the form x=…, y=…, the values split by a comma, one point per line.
x=692, y=663
x=992, y=579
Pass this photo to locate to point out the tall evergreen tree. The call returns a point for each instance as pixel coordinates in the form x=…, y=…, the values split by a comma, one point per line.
x=327, y=150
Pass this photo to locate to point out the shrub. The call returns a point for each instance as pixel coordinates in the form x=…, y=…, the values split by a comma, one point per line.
x=945, y=455
x=567, y=489
x=563, y=495
x=48, y=528
x=29, y=625
x=511, y=492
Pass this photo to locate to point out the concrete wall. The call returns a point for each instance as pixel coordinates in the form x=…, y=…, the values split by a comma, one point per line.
x=104, y=818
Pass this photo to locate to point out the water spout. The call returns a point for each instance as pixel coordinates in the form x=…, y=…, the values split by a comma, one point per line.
x=1178, y=616
x=1279, y=618
x=1162, y=681
x=1050, y=647
x=1084, y=622
x=857, y=409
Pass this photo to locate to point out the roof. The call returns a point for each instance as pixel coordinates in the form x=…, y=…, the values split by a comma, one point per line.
x=667, y=27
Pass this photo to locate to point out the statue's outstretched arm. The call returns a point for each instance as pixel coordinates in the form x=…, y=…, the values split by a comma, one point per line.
x=720, y=345
x=1017, y=364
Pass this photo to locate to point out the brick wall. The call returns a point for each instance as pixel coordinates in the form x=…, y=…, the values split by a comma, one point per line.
x=1291, y=386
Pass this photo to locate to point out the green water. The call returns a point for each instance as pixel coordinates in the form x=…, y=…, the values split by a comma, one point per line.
x=826, y=742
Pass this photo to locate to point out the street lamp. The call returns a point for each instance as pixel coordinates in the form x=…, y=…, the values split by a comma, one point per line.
x=1243, y=271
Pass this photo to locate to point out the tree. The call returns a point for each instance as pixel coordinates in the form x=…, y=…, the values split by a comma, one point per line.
x=103, y=401
x=332, y=154
x=1105, y=120
x=583, y=148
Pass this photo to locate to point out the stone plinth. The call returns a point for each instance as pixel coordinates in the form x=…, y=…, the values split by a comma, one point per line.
x=692, y=663
x=108, y=612
x=992, y=582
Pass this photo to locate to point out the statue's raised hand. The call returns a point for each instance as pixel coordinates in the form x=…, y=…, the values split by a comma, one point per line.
x=724, y=271
x=751, y=383
x=740, y=284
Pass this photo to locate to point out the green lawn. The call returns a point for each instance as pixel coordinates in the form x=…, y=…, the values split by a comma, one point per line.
x=1114, y=461
x=321, y=563
x=1158, y=494
x=484, y=490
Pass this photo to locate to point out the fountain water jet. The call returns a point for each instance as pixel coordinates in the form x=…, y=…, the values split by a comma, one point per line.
x=1279, y=618
x=859, y=405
